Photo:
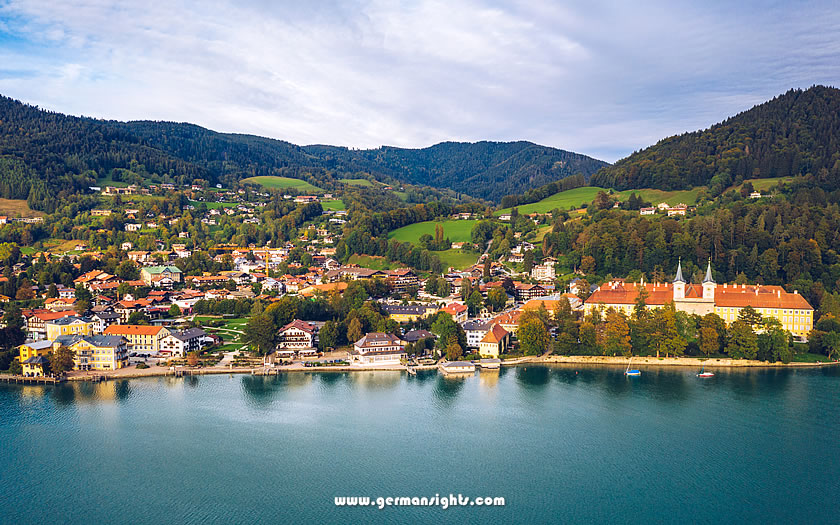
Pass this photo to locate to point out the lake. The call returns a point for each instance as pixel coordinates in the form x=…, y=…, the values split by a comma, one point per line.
x=559, y=443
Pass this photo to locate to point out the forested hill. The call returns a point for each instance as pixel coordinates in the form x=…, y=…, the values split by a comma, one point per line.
x=489, y=170
x=797, y=133
x=46, y=156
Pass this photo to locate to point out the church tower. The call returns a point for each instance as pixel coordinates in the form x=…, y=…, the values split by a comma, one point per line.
x=679, y=283
x=709, y=284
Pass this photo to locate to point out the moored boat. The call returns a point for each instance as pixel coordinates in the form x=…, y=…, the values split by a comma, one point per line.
x=633, y=372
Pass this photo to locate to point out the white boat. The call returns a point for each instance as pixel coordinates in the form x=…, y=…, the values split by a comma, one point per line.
x=703, y=373
x=633, y=372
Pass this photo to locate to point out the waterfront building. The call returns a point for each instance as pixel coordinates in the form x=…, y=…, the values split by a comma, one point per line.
x=298, y=335
x=33, y=357
x=99, y=352
x=494, y=342
x=180, y=342
x=378, y=348
x=725, y=300
x=140, y=338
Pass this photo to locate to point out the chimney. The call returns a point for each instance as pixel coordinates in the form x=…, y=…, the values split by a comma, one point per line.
x=778, y=293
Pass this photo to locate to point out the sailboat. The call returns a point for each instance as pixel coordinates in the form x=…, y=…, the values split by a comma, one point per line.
x=633, y=372
x=703, y=373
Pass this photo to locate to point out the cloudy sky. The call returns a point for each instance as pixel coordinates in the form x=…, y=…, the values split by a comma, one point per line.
x=601, y=78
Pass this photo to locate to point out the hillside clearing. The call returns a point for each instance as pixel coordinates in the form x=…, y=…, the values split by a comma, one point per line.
x=455, y=230
x=18, y=208
x=272, y=182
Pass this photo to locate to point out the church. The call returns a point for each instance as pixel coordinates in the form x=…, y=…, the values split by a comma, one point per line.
x=725, y=300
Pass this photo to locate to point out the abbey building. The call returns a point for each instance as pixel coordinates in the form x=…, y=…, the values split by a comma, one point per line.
x=725, y=300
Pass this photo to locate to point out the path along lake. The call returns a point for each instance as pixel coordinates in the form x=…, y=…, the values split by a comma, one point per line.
x=561, y=444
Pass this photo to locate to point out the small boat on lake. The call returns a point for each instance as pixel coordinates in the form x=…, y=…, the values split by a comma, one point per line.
x=630, y=372
x=703, y=373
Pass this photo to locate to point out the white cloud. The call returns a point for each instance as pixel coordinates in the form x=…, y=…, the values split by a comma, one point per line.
x=600, y=78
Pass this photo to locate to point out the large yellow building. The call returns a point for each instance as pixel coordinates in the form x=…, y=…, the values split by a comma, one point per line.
x=100, y=352
x=70, y=325
x=33, y=357
x=140, y=338
x=791, y=309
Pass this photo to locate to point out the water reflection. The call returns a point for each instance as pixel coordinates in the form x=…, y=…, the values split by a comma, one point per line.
x=122, y=388
x=260, y=391
x=331, y=380
x=489, y=378
x=379, y=380
x=533, y=377
x=447, y=388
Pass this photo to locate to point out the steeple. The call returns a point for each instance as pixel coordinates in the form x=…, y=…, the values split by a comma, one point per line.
x=709, y=278
x=679, y=278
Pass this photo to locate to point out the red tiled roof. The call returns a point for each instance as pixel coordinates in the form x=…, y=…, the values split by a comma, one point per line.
x=132, y=329
x=495, y=334
x=737, y=296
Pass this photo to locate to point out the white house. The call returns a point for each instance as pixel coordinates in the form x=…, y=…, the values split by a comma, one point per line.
x=378, y=348
x=298, y=335
x=476, y=330
x=181, y=342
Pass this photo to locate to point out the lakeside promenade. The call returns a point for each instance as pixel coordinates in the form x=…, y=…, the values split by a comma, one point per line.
x=160, y=371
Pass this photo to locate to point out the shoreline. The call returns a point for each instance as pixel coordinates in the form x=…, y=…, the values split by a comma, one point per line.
x=713, y=362
x=132, y=373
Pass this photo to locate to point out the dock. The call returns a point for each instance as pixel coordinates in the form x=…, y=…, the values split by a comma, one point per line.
x=31, y=380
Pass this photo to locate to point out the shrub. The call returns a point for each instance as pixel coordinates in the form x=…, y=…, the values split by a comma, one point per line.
x=142, y=366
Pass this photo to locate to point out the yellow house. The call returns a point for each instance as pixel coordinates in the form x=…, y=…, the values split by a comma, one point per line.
x=140, y=338
x=33, y=356
x=495, y=341
x=100, y=352
x=70, y=325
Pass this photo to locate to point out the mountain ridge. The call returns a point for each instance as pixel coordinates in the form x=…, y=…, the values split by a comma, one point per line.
x=46, y=155
x=795, y=133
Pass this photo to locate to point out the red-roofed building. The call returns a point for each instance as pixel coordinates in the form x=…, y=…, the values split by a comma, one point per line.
x=791, y=309
x=495, y=342
x=457, y=310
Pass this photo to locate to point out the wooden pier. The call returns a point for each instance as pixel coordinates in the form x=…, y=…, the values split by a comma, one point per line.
x=31, y=380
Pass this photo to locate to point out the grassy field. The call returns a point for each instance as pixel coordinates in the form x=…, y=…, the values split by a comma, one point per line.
x=356, y=182
x=763, y=184
x=457, y=258
x=17, y=208
x=212, y=205
x=335, y=205
x=563, y=200
x=671, y=197
x=283, y=183
x=456, y=231
x=374, y=262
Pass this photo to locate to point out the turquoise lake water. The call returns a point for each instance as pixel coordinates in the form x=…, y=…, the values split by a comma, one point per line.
x=560, y=444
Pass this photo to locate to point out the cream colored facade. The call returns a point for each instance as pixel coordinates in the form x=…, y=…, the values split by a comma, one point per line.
x=791, y=309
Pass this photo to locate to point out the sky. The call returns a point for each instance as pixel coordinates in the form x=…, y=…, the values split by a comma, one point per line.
x=600, y=78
